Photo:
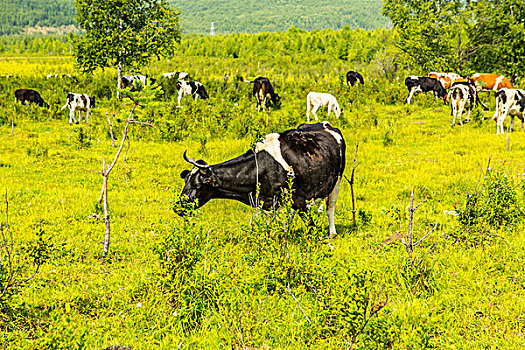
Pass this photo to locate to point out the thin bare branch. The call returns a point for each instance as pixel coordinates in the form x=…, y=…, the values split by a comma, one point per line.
x=425, y=236
x=375, y=309
x=297, y=302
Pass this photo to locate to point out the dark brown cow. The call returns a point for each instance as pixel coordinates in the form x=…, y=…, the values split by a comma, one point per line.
x=29, y=96
x=262, y=90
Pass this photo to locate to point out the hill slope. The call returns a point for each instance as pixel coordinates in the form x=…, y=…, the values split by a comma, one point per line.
x=250, y=16
x=16, y=15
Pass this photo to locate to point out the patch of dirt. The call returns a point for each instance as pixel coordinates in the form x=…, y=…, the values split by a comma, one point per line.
x=50, y=30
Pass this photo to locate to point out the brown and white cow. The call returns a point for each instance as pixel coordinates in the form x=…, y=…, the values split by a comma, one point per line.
x=509, y=102
x=446, y=79
x=78, y=102
x=489, y=82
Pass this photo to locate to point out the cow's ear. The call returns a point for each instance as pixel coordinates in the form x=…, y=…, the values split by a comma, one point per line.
x=184, y=174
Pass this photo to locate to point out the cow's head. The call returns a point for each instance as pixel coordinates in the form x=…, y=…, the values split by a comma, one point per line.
x=200, y=185
x=276, y=100
x=92, y=104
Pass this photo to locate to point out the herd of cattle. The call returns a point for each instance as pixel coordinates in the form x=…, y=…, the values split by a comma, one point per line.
x=461, y=93
x=312, y=154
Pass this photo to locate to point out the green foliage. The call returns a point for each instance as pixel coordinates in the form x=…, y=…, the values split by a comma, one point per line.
x=495, y=206
x=496, y=38
x=427, y=32
x=124, y=32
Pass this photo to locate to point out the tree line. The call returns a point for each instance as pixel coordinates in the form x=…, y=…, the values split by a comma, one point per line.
x=444, y=35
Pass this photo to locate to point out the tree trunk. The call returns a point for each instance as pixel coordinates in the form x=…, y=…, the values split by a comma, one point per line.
x=119, y=66
x=106, y=214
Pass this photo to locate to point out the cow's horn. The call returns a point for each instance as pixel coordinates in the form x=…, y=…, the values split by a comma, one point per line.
x=192, y=161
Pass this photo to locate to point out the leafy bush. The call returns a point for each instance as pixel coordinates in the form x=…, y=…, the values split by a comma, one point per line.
x=496, y=206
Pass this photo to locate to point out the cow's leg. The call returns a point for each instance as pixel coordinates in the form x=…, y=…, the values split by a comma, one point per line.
x=454, y=111
x=79, y=117
x=87, y=117
x=308, y=112
x=316, y=107
x=330, y=106
x=460, y=111
x=72, y=117
x=179, y=98
x=330, y=211
x=467, y=119
x=499, y=124
x=410, y=94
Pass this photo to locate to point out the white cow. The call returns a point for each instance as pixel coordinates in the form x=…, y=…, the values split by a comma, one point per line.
x=78, y=102
x=509, y=101
x=314, y=100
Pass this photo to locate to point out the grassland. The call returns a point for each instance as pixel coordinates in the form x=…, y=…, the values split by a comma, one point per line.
x=224, y=277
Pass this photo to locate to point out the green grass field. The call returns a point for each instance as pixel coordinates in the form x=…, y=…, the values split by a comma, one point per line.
x=228, y=277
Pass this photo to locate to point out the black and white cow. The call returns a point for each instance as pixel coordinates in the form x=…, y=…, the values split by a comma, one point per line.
x=262, y=90
x=463, y=96
x=78, y=102
x=353, y=77
x=509, y=101
x=424, y=84
x=313, y=155
x=29, y=96
x=130, y=81
x=191, y=88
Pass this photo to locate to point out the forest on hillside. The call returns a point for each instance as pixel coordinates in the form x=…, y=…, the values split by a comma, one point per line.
x=229, y=16
x=253, y=16
x=16, y=15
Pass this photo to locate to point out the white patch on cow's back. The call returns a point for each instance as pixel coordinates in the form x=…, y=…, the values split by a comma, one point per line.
x=336, y=136
x=272, y=145
x=497, y=82
x=413, y=76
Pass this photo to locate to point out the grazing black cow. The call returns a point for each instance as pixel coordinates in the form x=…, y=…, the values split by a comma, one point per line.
x=424, y=84
x=262, y=90
x=130, y=81
x=191, y=88
x=78, y=102
x=353, y=77
x=29, y=96
x=313, y=155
